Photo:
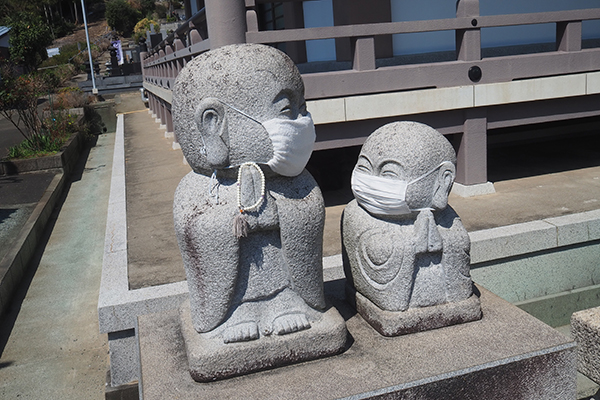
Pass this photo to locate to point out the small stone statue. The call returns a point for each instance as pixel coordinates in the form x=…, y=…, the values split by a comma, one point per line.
x=249, y=218
x=405, y=251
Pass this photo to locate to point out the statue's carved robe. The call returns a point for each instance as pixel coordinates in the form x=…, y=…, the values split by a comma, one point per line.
x=223, y=270
x=380, y=257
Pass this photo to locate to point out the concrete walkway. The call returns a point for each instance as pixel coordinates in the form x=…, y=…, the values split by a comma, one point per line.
x=153, y=171
x=50, y=343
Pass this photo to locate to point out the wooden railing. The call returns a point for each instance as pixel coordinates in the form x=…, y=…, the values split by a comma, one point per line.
x=365, y=77
x=163, y=63
x=166, y=60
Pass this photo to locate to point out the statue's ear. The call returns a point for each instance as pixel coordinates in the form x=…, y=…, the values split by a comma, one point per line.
x=446, y=175
x=211, y=122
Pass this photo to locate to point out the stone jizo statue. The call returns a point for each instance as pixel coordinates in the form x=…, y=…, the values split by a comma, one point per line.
x=406, y=252
x=249, y=218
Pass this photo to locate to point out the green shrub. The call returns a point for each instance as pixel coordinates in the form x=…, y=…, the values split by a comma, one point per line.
x=161, y=11
x=60, y=26
x=36, y=146
x=18, y=101
x=66, y=55
x=19, y=105
x=56, y=77
x=142, y=26
x=51, y=80
x=145, y=7
x=69, y=97
x=56, y=130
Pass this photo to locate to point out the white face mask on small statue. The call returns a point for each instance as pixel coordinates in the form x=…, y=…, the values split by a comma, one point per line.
x=383, y=196
x=292, y=139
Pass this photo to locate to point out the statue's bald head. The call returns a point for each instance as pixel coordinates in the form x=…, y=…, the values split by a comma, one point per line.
x=235, y=74
x=248, y=77
x=417, y=147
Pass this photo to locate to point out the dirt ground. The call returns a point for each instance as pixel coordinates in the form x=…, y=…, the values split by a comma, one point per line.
x=96, y=30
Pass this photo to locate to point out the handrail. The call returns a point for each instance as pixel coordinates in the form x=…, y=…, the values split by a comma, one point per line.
x=339, y=88
x=164, y=62
x=181, y=31
x=392, y=28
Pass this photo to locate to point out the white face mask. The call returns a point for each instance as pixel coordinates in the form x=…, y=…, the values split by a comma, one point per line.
x=383, y=196
x=292, y=140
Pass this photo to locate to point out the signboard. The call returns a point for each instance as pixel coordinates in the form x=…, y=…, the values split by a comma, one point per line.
x=117, y=45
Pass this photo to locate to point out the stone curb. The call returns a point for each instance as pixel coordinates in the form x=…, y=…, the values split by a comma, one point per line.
x=14, y=263
x=118, y=307
x=585, y=328
x=534, y=236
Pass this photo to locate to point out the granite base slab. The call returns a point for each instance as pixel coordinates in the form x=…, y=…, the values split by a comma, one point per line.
x=585, y=328
x=210, y=359
x=395, y=323
x=506, y=355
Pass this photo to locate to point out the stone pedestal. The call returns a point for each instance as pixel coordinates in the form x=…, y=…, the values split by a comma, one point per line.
x=394, y=323
x=585, y=327
x=506, y=355
x=211, y=359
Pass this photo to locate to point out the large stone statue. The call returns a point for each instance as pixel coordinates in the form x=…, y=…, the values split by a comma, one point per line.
x=249, y=218
x=406, y=252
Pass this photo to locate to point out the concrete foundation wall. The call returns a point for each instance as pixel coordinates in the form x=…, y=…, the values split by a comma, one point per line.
x=549, y=268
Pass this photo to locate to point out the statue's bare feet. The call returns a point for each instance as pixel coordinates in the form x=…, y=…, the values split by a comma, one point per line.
x=290, y=323
x=241, y=332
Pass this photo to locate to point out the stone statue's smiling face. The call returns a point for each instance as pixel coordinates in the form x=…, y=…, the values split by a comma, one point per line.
x=374, y=164
x=278, y=98
x=409, y=151
x=393, y=169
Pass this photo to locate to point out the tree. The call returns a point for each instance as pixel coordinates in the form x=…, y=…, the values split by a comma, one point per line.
x=29, y=37
x=121, y=16
x=142, y=26
x=18, y=101
x=146, y=7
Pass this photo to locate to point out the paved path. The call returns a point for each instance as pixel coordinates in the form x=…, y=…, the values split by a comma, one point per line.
x=50, y=344
x=153, y=171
